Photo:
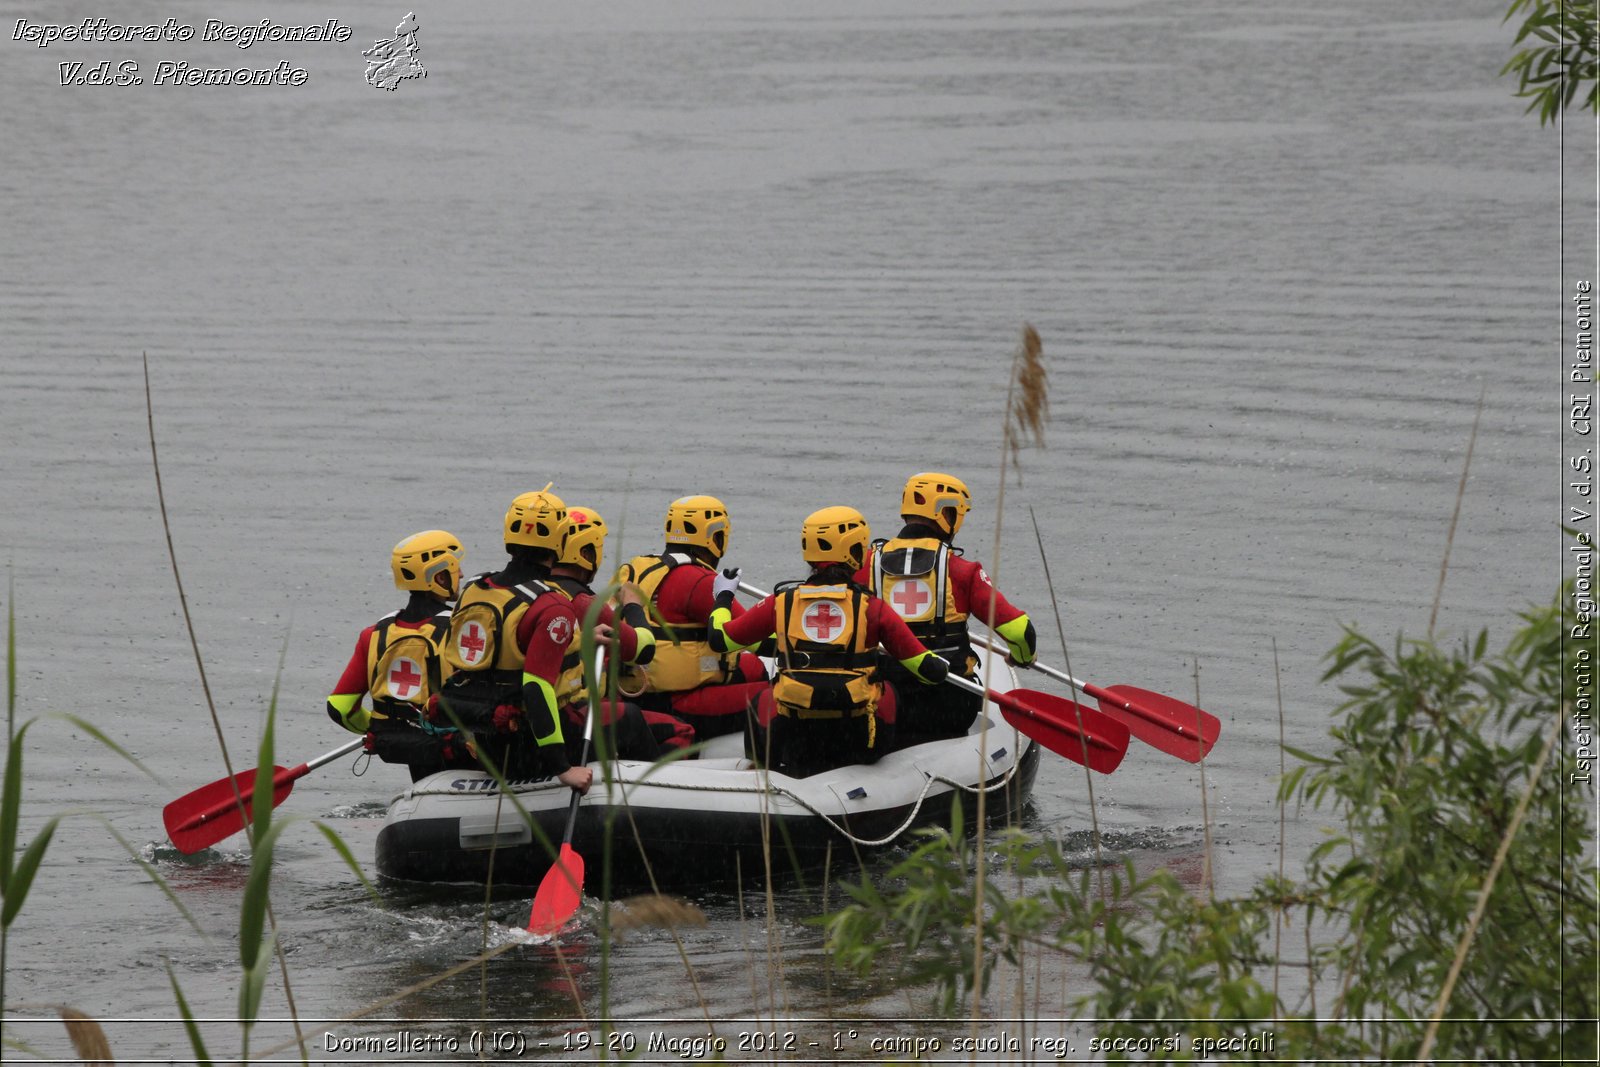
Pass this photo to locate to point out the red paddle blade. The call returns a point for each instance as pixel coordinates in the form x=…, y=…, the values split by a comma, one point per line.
x=1066, y=727
x=559, y=894
x=209, y=814
x=1180, y=729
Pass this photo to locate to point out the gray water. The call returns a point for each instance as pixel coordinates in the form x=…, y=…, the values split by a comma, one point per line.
x=780, y=253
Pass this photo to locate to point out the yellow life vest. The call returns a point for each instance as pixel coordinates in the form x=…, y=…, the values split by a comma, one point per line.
x=403, y=664
x=683, y=658
x=825, y=668
x=483, y=630
x=911, y=575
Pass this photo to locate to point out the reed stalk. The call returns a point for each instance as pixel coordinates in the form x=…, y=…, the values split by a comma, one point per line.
x=1455, y=515
x=1205, y=810
x=211, y=706
x=1066, y=660
x=1484, y=892
x=1277, y=952
x=1026, y=411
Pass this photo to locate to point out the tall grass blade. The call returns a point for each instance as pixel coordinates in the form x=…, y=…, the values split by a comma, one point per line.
x=349, y=858
x=196, y=1042
x=155, y=876
x=11, y=804
x=20, y=879
x=100, y=736
x=253, y=906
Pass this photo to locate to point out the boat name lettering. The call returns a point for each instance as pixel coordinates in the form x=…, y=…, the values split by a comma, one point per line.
x=487, y=785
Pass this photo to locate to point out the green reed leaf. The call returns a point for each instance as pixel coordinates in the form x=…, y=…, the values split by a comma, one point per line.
x=20, y=879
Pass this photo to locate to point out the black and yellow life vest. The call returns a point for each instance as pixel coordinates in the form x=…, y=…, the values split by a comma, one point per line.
x=483, y=628
x=826, y=669
x=683, y=658
x=404, y=666
x=912, y=575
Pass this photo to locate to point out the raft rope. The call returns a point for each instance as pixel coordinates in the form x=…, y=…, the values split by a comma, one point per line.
x=780, y=791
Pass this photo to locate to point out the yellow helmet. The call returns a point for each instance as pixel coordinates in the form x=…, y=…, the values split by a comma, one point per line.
x=835, y=535
x=934, y=496
x=429, y=562
x=585, y=542
x=699, y=522
x=537, y=520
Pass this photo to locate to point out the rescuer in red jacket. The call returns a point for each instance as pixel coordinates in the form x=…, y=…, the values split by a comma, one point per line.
x=508, y=636
x=935, y=591
x=709, y=691
x=632, y=733
x=397, y=660
x=827, y=706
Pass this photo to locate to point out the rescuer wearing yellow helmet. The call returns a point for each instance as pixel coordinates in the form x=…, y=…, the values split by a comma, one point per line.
x=708, y=691
x=827, y=706
x=935, y=590
x=634, y=734
x=397, y=659
x=508, y=636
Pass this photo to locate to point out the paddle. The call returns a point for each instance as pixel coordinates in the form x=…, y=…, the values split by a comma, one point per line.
x=1163, y=722
x=213, y=812
x=561, y=891
x=1065, y=727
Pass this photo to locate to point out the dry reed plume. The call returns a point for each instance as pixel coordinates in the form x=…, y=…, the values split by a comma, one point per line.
x=1028, y=405
x=88, y=1040
x=654, y=909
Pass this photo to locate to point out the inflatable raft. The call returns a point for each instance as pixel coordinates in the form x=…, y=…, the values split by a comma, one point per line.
x=706, y=820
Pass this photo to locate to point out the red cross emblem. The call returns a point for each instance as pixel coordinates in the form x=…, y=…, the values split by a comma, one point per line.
x=404, y=678
x=909, y=598
x=472, y=642
x=821, y=620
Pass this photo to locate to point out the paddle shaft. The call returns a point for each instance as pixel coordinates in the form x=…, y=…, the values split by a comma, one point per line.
x=282, y=777
x=588, y=736
x=561, y=890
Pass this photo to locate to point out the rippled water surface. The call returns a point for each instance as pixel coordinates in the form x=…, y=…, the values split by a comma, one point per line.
x=780, y=253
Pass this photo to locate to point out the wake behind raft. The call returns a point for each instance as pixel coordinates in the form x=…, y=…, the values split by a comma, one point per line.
x=706, y=821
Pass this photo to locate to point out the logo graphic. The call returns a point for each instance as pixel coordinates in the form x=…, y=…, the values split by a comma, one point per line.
x=560, y=630
x=820, y=621
x=911, y=598
x=471, y=643
x=405, y=678
x=393, y=61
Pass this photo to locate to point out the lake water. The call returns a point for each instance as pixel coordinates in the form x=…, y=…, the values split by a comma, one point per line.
x=780, y=253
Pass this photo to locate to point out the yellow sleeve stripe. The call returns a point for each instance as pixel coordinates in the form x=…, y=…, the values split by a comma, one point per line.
x=548, y=691
x=720, y=641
